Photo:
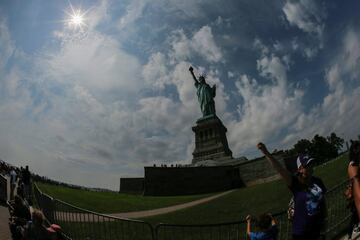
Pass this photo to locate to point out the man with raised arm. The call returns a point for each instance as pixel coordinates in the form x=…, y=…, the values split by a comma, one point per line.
x=205, y=94
x=308, y=194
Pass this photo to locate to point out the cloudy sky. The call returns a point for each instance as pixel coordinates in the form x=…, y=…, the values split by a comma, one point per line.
x=92, y=102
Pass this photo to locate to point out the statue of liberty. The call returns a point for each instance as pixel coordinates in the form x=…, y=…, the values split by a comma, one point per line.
x=205, y=94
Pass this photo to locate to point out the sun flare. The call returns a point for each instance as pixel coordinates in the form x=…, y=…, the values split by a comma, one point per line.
x=76, y=18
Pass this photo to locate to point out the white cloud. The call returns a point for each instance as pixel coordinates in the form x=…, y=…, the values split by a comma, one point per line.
x=287, y=61
x=201, y=43
x=267, y=109
x=96, y=61
x=334, y=114
x=97, y=14
x=179, y=9
x=310, y=52
x=155, y=71
x=187, y=8
x=351, y=54
x=339, y=108
x=133, y=12
x=230, y=74
x=181, y=45
x=347, y=63
x=295, y=44
x=273, y=68
x=309, y=16
x=7, y=46
x=259, y=45
x=306, y=15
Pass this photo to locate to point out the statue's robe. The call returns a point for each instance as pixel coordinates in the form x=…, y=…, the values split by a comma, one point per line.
x=206, y=96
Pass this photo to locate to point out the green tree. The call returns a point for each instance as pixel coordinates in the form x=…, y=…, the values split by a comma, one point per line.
x=336, y=141
x=322, y=150
x=303, y=146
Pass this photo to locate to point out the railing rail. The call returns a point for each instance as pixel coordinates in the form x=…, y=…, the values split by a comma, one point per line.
x=222, y=231
x=80, y=223
x=3, y=188
x=337, y=215
x=83, y=224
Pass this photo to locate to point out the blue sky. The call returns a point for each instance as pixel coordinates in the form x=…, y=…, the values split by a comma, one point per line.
x=91, y=104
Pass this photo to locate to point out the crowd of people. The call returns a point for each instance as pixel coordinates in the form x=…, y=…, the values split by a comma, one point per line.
x=308, y=212
x=29, y=223
x=19, y=178
x=26, y=222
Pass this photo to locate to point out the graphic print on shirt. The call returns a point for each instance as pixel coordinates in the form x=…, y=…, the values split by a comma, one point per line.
x=314, y=196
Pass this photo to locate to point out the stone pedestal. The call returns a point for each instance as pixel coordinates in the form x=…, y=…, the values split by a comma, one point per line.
x=210, y=140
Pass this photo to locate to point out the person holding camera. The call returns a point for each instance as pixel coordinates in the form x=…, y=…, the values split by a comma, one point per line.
x=308, y=194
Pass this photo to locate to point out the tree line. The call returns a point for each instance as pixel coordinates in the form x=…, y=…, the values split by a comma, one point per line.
x=321, y=148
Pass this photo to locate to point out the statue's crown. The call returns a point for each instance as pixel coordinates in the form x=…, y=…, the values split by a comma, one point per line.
x=203, y=75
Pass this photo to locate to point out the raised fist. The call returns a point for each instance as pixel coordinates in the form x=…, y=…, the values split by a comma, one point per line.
x=261, y=147
x=191, y=69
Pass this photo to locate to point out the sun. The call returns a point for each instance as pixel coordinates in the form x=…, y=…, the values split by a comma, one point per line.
x=75, y=18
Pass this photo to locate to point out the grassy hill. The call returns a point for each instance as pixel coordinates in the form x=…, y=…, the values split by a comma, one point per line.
x=268, y=197
x=112, y=202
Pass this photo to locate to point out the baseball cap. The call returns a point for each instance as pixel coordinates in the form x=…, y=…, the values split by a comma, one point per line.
x=303, y=160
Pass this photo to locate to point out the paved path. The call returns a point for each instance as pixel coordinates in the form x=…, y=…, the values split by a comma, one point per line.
x=4, y=227
x=159, y=211
x=84, y=217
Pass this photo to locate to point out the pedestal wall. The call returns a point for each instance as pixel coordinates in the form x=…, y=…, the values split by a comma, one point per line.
x=210, y=140
x=167, y=181
x=132, y=185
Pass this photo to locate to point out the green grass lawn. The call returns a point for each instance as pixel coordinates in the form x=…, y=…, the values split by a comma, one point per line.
x=268, y=197
x=112, y=202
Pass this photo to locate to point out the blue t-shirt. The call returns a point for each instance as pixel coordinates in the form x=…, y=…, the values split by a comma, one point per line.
x=270, y=234
x=309, y=206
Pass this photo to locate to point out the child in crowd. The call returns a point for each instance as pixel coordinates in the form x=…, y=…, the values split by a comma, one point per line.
x=35, y=229
x=267, y=226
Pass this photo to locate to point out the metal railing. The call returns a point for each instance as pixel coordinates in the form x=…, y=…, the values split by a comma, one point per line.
x=337, y=218
x=338, y=214
x=79, y=223
x=3, y=189
x=223, y=231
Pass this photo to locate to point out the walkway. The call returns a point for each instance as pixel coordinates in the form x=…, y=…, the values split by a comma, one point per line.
x=85, y=217
x=4, y=227
x=159, y=211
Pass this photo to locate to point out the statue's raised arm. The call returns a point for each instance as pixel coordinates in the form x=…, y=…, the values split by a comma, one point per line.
x=205, y=94
x=191, y=69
